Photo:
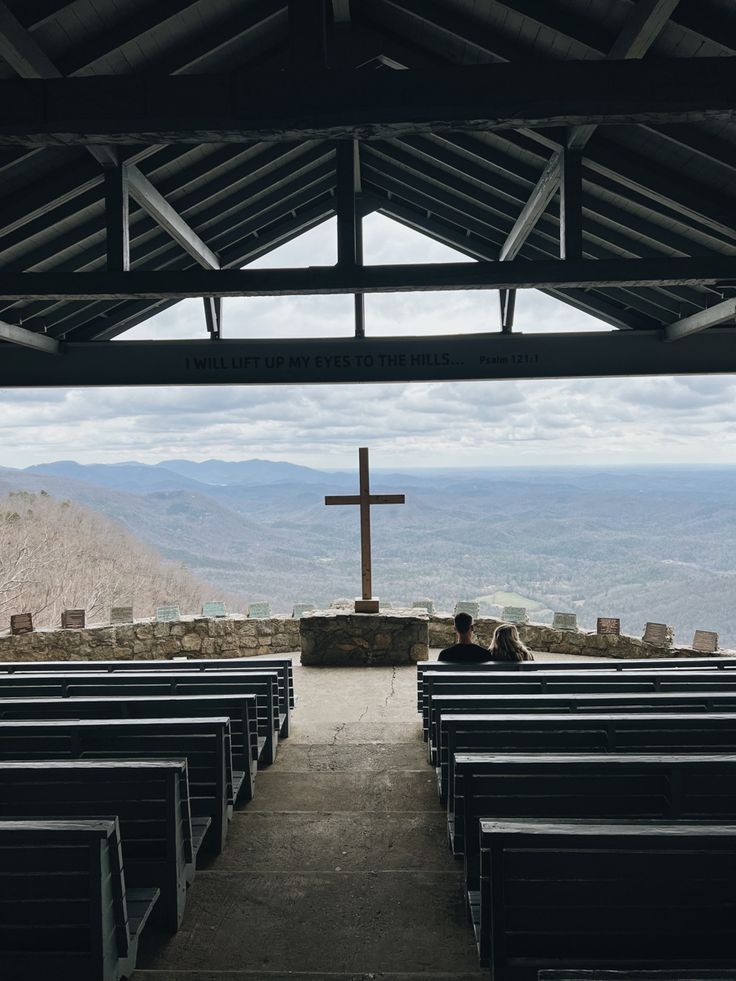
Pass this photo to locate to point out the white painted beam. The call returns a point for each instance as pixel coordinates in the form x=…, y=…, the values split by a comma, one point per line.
x=156, y=205
x=701, y=320
x=28, y=338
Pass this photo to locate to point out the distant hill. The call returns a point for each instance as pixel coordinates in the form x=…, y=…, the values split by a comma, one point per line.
x=642, y=544
x=243, y=472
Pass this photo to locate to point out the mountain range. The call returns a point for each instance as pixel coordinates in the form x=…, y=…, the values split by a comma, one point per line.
x=643, y=544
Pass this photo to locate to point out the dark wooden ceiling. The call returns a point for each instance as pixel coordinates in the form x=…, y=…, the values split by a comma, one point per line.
x=651, y=189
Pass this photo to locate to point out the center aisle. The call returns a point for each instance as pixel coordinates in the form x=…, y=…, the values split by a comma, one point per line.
x=339, y=868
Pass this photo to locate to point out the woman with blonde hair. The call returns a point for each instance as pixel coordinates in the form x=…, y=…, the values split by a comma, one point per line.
x=507, y=646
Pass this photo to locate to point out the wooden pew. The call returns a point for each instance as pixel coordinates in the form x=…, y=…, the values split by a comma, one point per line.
x=693, y=974
x=606, y=894
x=261, y=684
x=203, y=743
x=644, y=664
x=581, y=732
x=649, y=701
x=549, y=682
x=695, y=788
x=282, y=665
x=65, y=911
x=150, y=799
x=240, y=709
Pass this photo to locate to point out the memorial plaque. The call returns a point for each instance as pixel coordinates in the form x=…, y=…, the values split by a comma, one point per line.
x=514, y=614
x=300, y=608
x=259, y=611
x=423, y=604
x=705, y=641
x=658, y=634
x=609, y=626
x=468, y=606
x=214, y=609
x=565, y=621
x=21, y=623
x=167, y=614
x=72, y=619
x=120, y=615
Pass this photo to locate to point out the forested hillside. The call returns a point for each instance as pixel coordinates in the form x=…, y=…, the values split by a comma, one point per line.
x=647, y=544
x=56, y=555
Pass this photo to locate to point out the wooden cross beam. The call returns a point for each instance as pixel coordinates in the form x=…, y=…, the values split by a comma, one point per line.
x=365, y=499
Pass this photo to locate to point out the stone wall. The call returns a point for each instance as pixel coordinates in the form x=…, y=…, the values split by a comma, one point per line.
x=190, y=637
x=337, y=637
x=540, y=637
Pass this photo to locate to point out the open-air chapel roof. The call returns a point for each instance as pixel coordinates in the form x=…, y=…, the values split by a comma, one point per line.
x=150, y=149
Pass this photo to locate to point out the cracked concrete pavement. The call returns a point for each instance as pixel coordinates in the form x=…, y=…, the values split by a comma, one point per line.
x=339, y=868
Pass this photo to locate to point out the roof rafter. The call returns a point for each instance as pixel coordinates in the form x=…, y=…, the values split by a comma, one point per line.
x=641, y=28
x=28, y=338
x=711, y=317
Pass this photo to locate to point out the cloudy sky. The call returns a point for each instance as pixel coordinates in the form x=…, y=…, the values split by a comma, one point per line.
x=688, y=420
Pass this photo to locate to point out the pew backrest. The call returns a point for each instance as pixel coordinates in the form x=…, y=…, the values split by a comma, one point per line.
x=605, y=894
x=150, y=799
x=581, y=732
x=553, y=682
x=102, y=684
x=634, y=702
x=282, y=665
x=64, y=907
x=696, y=787
x=203, y=743
x=698, y=663
x=240, y=709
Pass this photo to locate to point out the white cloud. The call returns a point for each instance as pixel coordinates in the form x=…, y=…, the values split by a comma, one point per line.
x=605, y=421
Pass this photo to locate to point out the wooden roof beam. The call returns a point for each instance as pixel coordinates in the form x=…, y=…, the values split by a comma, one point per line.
x=713, y=270
x=642, y=26
x=711, y=317
x=28, y=338
x=289, y=106
x=156, y=205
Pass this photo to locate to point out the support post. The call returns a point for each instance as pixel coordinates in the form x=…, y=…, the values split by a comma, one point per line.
x=508, y=304
x=213, y=316
x=365, y=524
x=116, y=217
x=571, y=211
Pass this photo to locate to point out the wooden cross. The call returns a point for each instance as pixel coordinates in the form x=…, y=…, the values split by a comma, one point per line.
x=367, y=604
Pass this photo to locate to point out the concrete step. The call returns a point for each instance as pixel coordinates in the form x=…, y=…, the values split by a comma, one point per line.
x=387, y=790
x=325, y=922
x=297, y=757
x=343, y=842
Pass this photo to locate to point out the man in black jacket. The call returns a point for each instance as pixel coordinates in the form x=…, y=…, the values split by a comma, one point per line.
x=464, y=651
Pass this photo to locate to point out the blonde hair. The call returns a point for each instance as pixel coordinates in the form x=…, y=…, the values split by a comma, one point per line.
x=507, y=646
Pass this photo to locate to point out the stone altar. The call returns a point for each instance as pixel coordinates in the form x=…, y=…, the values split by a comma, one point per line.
x=334, y=637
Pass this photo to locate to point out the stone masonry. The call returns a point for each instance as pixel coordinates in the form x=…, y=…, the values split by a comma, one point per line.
x=340, y=638
x=540, y=637
x=190, y=637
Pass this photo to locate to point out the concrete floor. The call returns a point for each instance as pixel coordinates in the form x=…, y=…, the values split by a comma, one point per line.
x=339, y=868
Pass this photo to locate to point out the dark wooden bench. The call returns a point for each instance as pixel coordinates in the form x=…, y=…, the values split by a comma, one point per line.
x=150, y=799
x=101, y=684
x=648, y=701
x=203, y=743
x=65, y=911
x=605, y=894
x=694, y=974
x=282, y=665
x=699, y=663
x=581, y=732
x=246, y=745
x=550, y=682
x=693, y=787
